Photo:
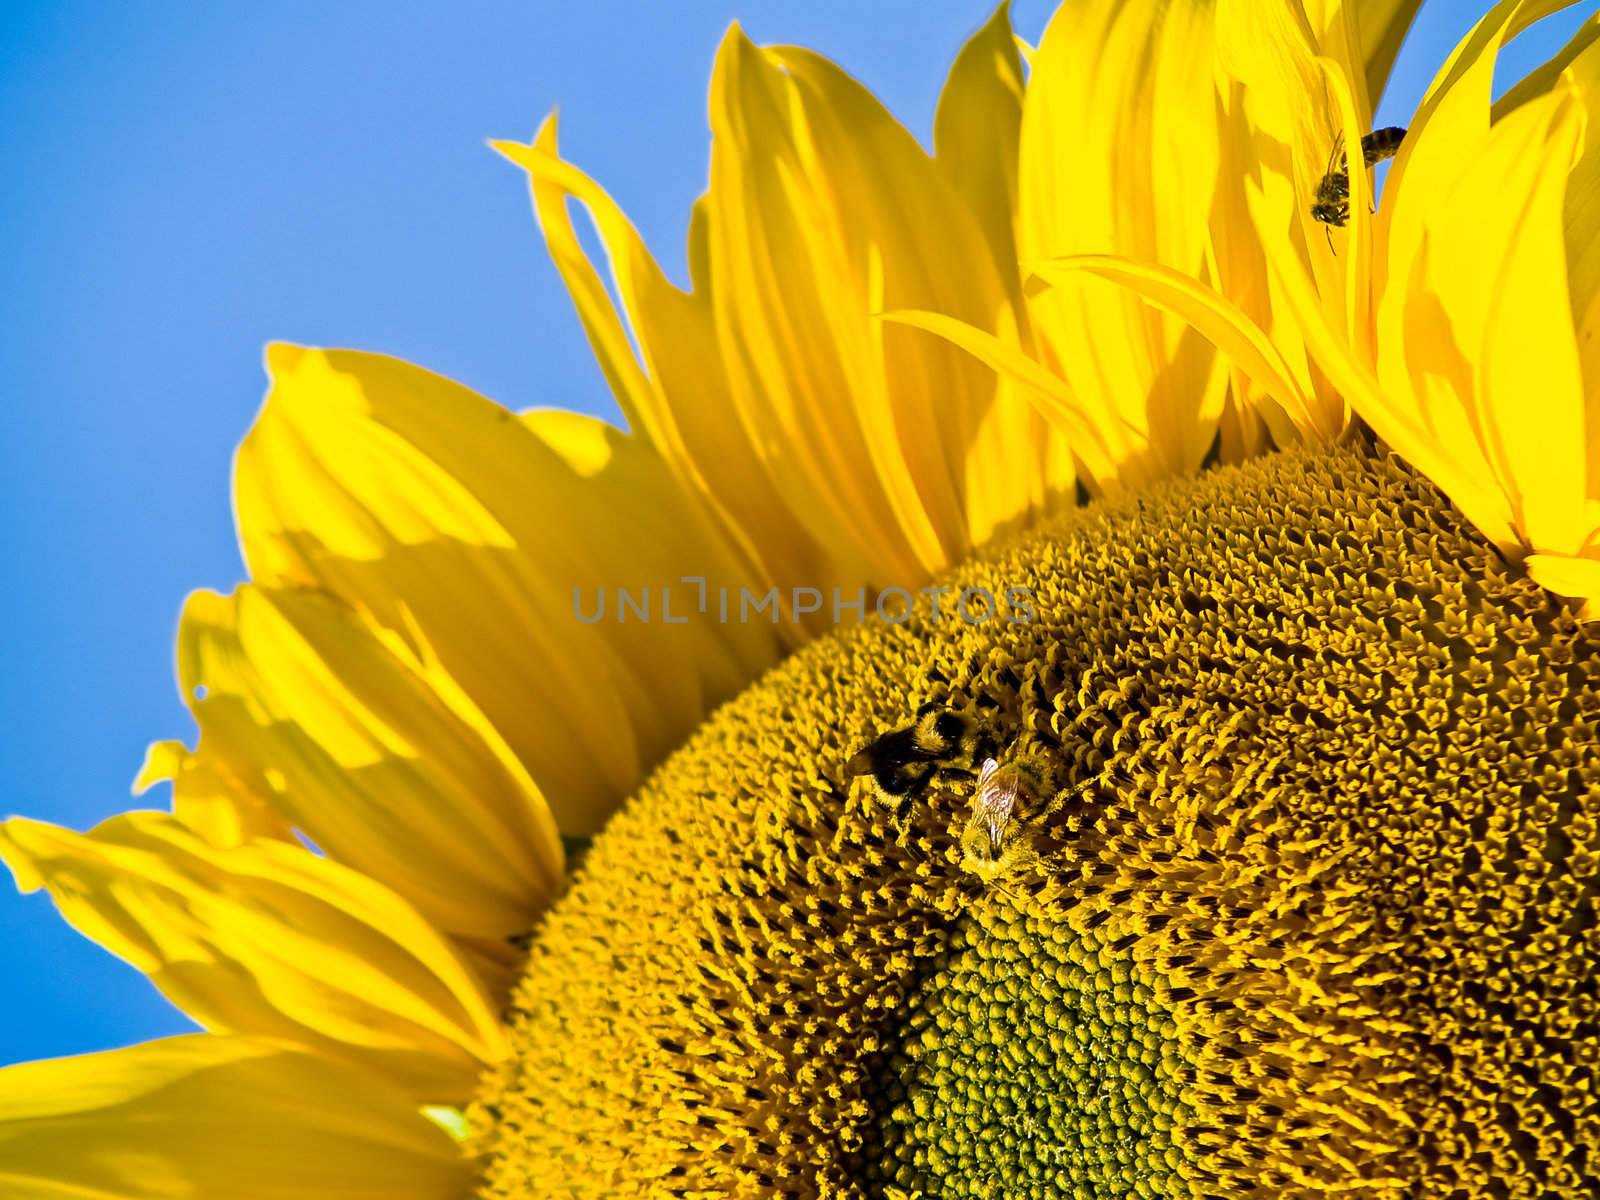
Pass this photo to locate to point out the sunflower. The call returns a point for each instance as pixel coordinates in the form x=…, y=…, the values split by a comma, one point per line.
x=1075, y=681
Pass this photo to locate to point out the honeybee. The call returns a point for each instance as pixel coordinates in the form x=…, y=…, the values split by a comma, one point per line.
x=1011, y=806
x=1332, y=203
x=901, y=764
x=997, y=841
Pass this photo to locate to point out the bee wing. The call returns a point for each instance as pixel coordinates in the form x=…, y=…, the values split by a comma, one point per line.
x=1336, y=153
x=993, y=802
x=986, y=774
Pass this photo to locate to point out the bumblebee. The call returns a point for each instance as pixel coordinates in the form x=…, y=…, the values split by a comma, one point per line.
x=1332, y=203
x=902, y=764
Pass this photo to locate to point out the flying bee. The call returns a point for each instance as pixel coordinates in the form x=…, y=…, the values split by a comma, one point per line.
x=1332, y=203
x=901, y=764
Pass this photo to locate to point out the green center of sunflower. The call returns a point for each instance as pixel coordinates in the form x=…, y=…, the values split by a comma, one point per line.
x=1294, y=891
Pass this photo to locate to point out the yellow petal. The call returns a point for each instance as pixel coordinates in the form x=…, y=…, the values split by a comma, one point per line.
x=691, y=662
x=1084, y=427
x=362, y=475
x=1569, y=575
x=272, y=940
x=1453, y=118
x=1361, y=38
x=977, y=131
x=1583, y=248
x=1354, y=118
x=162, y=762
x=1240, y=252
x=1011, y=464
x=822, y=212
x=1394, y=422
x=419, y=502
x=204, y=1117
x=1383, y=26
x=829, y=451
x=1306, y=99
x=224, y=808
x=1222, y=323
x=1465, y=65
x=1546, y=75
x=677, y=397
x=1578, y=67
x=373, y=751
x=1529, y=378
x=1120, y=153
x=1475, y=325
x=1293, y=93
x=1020, y=467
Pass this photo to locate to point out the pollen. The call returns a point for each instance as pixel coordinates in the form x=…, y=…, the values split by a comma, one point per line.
x=1319, y=917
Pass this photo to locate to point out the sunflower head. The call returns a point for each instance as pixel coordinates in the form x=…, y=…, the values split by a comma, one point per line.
x=1213, y=927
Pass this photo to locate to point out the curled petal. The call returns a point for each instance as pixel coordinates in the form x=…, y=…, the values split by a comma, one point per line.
x=209, y=797
x=1222, y=323
x=1084, y=428
x=679, y=357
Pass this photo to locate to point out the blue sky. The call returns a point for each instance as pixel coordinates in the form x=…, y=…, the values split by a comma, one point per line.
x=183, y=182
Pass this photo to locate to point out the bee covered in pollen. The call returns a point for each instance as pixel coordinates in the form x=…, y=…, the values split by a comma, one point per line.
x=1009, y=807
